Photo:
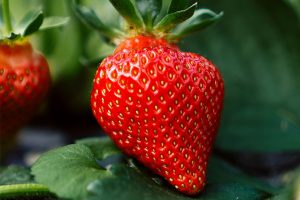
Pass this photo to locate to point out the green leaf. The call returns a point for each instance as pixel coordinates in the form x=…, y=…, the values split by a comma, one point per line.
x=135, y=185
x=72, y=172
x=131, y=184
x=31, y=22
x=128, y=10
x=232, y=191
x=258, y=56
x=68, y=170
x=222, y=172
x=274, y=126
x=89, y=17
x=171, y=20
x=149, y=10
x=101, y=147
x=176, y=5
x=295, y=5
x=15, y=175
x=53, y=22
x=200, y=20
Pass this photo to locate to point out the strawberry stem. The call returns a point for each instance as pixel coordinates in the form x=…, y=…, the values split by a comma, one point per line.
x=21, y=190
x=6, y=16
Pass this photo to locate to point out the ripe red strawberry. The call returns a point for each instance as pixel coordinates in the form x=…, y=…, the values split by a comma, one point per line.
x=158, y=104
x=161, y=106
x=24, y=83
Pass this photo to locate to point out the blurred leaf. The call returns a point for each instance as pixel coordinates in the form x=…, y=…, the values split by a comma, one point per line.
x=270, y=129
x=31, y=22
x=68, y=170
x=89, y=17
x=15, y=175
x=296, y=6
x=52, y=22
x=258, y=55
x=65, y=67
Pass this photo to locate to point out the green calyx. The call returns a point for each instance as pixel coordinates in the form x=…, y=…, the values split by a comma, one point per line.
x=150, y=17
x=32, y=22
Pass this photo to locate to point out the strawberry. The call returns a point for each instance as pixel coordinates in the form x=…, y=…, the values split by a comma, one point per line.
x=158, y=104
x=24, y=83
x=24, y=73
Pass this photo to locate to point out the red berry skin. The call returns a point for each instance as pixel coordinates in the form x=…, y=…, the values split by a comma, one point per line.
x=161, y=106
x=24, y=83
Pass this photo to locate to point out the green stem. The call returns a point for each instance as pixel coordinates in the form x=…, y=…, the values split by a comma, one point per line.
x=21, y=190
x=6, y=16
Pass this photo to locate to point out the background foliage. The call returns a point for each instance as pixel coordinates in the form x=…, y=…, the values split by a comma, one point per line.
x=257, y=48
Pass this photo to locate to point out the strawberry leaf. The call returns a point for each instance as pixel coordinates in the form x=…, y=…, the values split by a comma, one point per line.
x=73, y=172
x=31, y=23
x=68, y=170
x=129, y=12
x=171, y=20
x=128, y=183
x=101, y=147
x=52, y=22
x=200, y=20
x=149, y=10
x=146, y=189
